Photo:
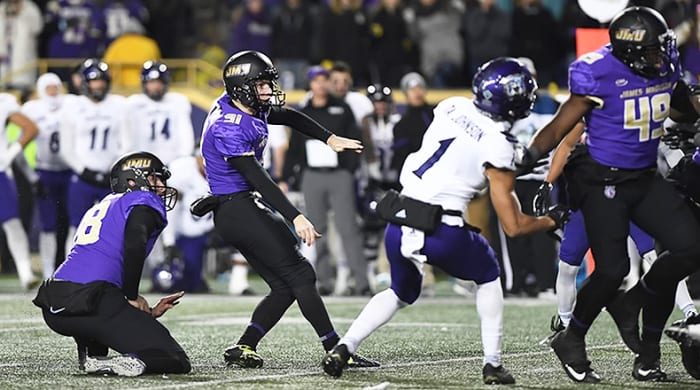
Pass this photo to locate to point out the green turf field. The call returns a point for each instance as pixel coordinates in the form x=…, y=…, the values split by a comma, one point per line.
x=433, y=345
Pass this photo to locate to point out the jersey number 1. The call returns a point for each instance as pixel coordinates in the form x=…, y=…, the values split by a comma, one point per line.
x=444, y=144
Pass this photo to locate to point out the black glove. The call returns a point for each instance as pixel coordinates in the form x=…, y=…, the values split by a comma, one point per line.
x=678, y=140
x=560, y=215
x=95, y=178
x=543, y=199
x=526, y=163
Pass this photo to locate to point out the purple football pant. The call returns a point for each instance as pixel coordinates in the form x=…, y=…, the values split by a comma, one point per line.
x=458, y=251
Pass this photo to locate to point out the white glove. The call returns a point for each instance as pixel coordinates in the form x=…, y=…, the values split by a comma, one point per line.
x=12, y=151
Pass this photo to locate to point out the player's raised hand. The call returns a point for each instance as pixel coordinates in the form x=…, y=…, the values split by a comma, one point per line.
x=166, y=303
x=305, y=229
x=340, y=144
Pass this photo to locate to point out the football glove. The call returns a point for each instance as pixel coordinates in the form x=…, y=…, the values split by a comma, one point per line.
x=560, y=214
x=543, y=199
x=95, y=178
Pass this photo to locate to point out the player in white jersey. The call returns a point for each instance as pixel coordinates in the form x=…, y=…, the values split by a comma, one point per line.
x=160, y=121
x=9, y=204
x=189, y=232
x=94, y=133
x=466, y=148
x=54, y=173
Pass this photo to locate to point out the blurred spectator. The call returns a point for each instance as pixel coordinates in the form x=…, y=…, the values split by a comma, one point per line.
x=435, y=26
x=487, y=33
x=120, y=15
x=75, y=28
x=536, y=35
x=341, y=83
x=327, y=182
x=171, y=25
x=127, y=54
x=344, y=36
x=20, y=23
x=292, y=29
x=252, y=28
x=392, y=51
x=408, y=132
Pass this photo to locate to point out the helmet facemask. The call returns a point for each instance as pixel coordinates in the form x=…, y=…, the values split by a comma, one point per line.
x=141, y=173
x=652, y=61
x=248, y=93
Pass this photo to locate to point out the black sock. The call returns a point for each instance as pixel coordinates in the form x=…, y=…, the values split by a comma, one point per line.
x=266, y=315
x=329, y=340
x=314, y=311
x=657, y=307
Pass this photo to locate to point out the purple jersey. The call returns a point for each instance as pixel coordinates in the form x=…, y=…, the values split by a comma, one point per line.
x=99, y=240
x=625, y=127
x=230, y=132
x=80, y=29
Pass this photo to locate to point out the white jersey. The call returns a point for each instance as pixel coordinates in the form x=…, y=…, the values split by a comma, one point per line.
x=48, y=141
x=163, y=127
x=523, y=130
x=94, y=135
x=381, y=131
x=8, y=106
x=190, y=184
x=448, y=169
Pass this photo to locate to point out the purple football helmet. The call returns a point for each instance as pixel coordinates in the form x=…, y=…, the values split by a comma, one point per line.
x=504, y=89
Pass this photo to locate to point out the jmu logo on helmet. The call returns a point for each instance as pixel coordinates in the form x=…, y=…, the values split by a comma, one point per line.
x=237, y=70
x=628, y=34
x=136, y=163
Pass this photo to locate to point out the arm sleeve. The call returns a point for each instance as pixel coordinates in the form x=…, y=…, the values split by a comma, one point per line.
x=142, y=222
x=249, y=167
x=298, y=121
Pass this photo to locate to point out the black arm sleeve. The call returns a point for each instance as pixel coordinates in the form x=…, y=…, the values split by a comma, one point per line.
x=140, y=225
x=249, y=167
x=298, y=121
x=680, y=101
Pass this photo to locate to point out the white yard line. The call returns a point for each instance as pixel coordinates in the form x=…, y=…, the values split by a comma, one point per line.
x=319, y=372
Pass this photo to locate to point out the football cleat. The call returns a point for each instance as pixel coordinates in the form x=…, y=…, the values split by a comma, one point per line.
x=123, y=365
x=357, y=361
x=648, y=372
x=336, y=360
x=497, y=375
x=681, y=331
x=244, y=356
x=625, y=314
x=571, y=352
